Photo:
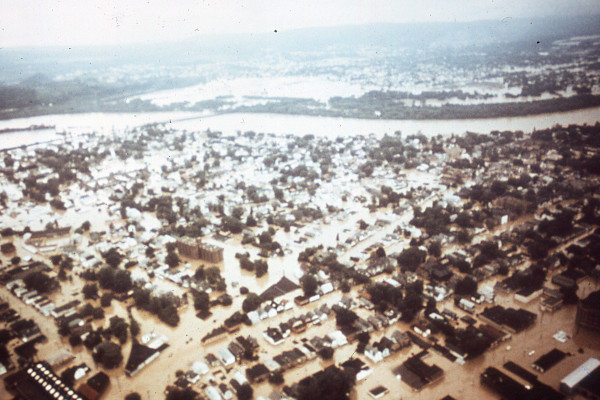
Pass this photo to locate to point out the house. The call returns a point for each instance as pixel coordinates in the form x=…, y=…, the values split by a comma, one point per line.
x=139, y=357
x=526, y=295
x=337, y=339
x=467, y=305
x=272, y=365
x=236, y=349
x=212, y=393
x=225, y=357
x=211, y=360
x=401, y=338
x=487, y=291
x=257, y=373
x=225, y=391
x=362, y=369
x=200, y=368
x=551, y=300
x=273, y=336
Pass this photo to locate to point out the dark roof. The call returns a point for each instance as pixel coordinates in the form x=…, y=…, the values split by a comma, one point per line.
x=139, y=354
x=410, y=378
x=503, y=384
x=256, y=371
x=591, y=383
x=99, y=382
x=520, y=372
x=354, y=363
x=592, y=301
x=279, y=289
x=550, y=359
x=88, y=392
x=518, y=320
x=509, y=388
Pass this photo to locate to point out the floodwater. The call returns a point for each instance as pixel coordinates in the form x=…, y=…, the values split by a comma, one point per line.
x=107, y=123
x=460, y=381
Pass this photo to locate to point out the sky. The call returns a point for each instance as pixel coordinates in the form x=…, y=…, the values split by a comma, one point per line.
x=110, y=22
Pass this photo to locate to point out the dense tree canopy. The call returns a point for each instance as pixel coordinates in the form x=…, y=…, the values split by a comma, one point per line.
x=331, y=384
x=309, y=285
x=40, y=281
x=108, y=354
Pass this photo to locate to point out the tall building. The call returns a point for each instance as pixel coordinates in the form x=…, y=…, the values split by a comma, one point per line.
x=194, y=248
x=588, y=312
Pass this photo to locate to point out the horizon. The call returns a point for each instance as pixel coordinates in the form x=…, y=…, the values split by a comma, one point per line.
x=82, y=24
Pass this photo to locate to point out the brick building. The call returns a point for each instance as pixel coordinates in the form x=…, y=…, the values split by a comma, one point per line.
x=194, y=248
x=588, y=312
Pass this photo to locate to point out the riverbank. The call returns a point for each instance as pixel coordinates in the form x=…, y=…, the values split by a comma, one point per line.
x=230, y=124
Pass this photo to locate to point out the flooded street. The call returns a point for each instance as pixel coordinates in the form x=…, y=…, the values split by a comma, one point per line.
x=339, y=230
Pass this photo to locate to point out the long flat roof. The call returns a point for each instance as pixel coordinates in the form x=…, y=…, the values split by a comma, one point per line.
x=580, y=372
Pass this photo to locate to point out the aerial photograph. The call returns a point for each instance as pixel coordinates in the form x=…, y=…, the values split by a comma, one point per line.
x=299, y=200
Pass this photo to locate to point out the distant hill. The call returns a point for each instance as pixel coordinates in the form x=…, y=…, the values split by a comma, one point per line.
x=20, y=63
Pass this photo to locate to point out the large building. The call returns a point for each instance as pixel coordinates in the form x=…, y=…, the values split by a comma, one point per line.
x=585, y=380
x=588, y=312
x=194, y=248
x=38, y=382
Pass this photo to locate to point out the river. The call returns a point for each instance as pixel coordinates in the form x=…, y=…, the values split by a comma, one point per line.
x=107, y=123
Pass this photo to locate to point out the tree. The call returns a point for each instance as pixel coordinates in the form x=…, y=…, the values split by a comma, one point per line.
x=309, y=285
x=86, y=226
x=232, y=225
x=251, y=302
x=176, y=393
x=326, y=353
x=39, y=281
x=90, y=291
x=412, y=257
x=75, y=340
x=172, y=259
x=62, y=275
x=237, y=212
x=122, y=281
x=134, y=326
x=380, y=253
x=108, y=354
x=113, y=257
x=260, y=268
x=246, y=263
x=245, y=392
x=118, y=328
x=98, y=313
x=169, y=315
x=56, y=259
x=332, y=384
x=149, y=252
x=435, y=249
x=466, y=286
x=8, y=247
x=412, y=302
x=133, y=396
x=344, y=317
x=345, y=286
x=201, y=301
x=251, y=221
x=105, y=300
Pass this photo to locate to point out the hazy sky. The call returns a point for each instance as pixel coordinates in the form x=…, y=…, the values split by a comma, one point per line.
x=82, y=22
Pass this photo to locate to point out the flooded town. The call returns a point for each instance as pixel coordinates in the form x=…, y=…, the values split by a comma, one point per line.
x=336, y=224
